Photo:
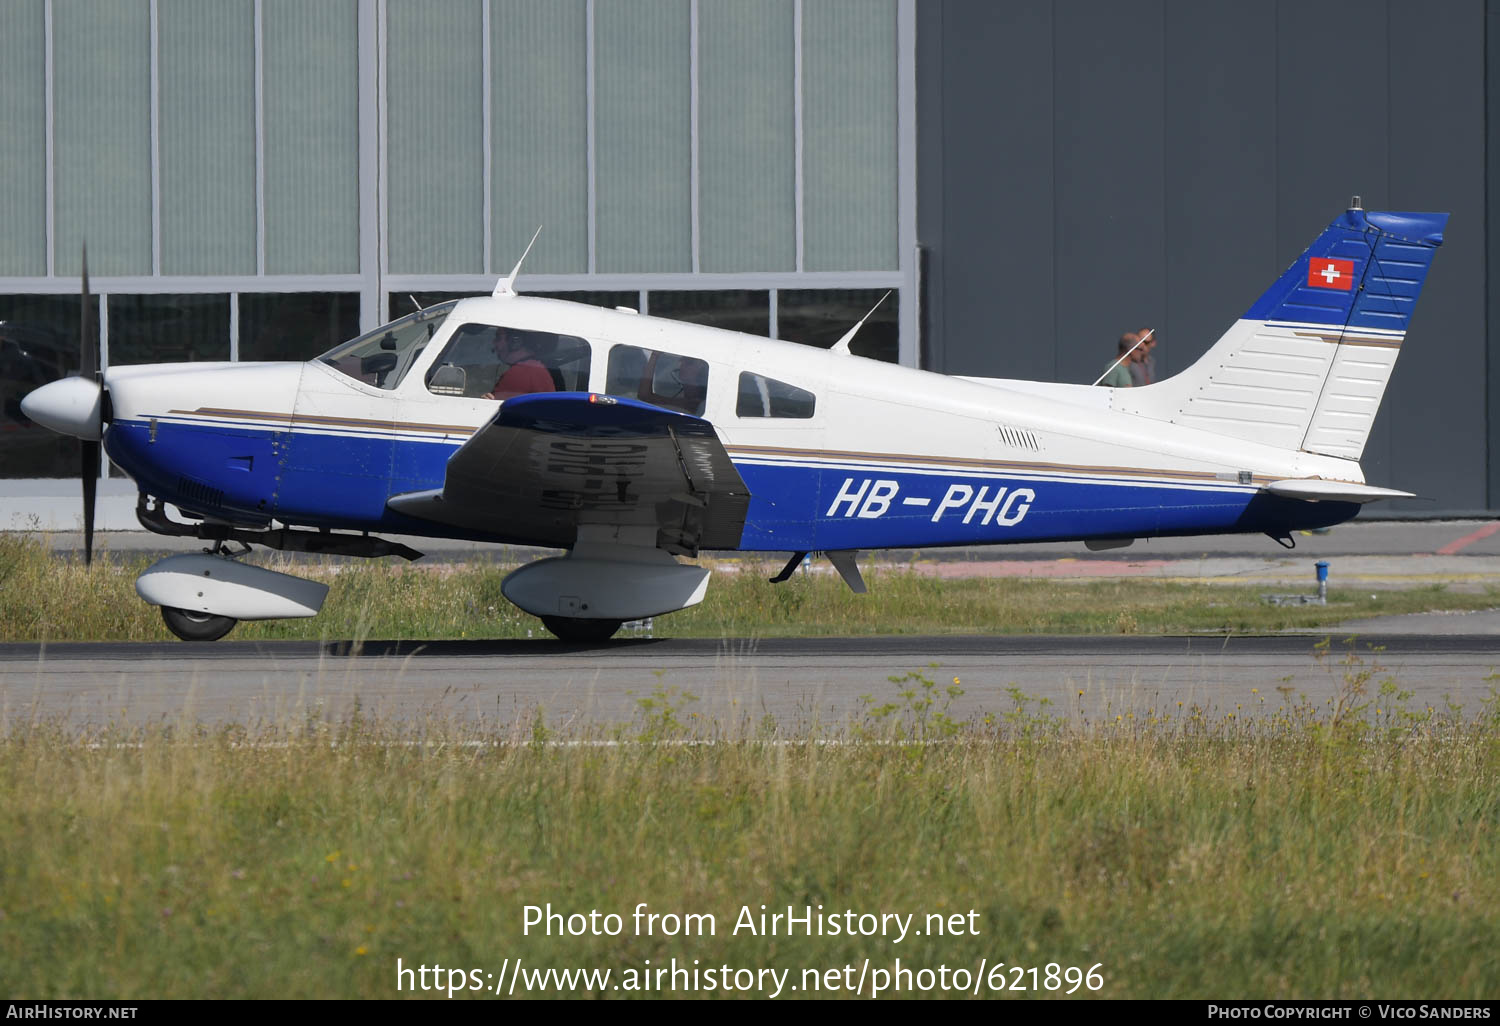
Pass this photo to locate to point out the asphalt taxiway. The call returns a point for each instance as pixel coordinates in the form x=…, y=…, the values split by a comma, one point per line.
x=804, y=683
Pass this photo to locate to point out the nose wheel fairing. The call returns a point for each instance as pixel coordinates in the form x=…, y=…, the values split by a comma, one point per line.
x=202, y=584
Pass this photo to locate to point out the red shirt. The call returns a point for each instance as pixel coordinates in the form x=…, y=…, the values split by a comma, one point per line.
x=523, y=378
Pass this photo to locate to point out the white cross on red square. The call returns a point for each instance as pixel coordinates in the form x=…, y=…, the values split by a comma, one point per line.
x=1330, y=273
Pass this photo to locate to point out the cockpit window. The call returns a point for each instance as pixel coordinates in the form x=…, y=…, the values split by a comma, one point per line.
x=486, y=361
x=760, y=396
x=383, y=357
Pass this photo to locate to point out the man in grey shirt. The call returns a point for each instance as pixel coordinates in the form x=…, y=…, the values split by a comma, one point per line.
x=1118, y=376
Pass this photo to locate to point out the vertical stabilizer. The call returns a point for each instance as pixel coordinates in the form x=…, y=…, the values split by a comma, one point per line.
x=1307, y=365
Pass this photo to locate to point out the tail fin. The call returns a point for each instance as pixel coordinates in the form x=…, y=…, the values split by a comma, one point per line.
x=1306, y=366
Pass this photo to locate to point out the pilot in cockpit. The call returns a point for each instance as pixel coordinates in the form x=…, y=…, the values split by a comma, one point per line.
x=526, y=373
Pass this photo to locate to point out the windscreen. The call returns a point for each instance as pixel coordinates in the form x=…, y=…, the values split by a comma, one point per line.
x=382, y=357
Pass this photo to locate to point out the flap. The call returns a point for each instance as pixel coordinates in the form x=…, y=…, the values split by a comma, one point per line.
x=550, y=462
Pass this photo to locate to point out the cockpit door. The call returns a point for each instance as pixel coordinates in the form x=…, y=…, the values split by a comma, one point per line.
x=338, y=455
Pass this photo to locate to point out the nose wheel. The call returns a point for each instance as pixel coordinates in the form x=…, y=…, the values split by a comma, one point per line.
x=193, y=626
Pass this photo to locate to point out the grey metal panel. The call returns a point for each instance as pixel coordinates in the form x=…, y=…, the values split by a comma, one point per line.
x=1332, y=137
x=1220, y=97
x=23, y=140
x=850, y=146
x=435, y=155
x=746, y=129
x=539, y=138
x=206, y=75
x=1492, y=246
x=929, y=178
x=1434, y=409
x=643, y=137
x=994, y=272
x=1107, y=154
x=102, y=114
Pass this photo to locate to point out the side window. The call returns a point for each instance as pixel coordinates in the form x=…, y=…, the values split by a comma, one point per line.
x=627, y=369
x=766, y=397
x=486, y=361
x=662, y=379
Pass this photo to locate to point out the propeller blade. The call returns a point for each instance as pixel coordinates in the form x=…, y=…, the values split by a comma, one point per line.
x=88, y=367
x=90, y=474
x=88, y=349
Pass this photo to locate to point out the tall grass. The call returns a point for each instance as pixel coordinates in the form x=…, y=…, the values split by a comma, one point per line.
x=43, y=598
x=1304, y=854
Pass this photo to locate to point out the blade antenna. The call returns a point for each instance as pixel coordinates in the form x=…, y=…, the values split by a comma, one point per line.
x=507, y=285
x=842, y=345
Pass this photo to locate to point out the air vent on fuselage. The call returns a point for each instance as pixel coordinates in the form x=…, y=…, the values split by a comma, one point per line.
x=198, y=495
x=1019, y=438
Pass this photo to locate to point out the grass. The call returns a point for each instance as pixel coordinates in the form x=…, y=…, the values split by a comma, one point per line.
x=1344, y=850
x=43, y=598
x=1309, y=854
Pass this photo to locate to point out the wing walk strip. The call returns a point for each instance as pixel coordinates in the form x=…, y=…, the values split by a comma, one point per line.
x=1198, y=480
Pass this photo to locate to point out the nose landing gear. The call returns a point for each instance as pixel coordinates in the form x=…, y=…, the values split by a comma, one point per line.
x=190, y=625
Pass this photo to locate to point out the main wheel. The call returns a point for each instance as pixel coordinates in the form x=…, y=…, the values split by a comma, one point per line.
x=191, y=626
x=569, y=628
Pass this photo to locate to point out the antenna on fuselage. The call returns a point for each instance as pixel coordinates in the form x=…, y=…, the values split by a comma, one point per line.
x=507, y=286
x=842, y=345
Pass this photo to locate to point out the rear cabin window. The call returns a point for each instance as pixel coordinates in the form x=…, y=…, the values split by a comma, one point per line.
x=485, y=360
x=761, y=396
x=661, y=379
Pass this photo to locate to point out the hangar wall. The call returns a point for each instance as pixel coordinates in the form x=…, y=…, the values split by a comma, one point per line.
x=1086, y=167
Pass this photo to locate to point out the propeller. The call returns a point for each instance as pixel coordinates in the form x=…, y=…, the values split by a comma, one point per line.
x=78, y=405
x=89, y=449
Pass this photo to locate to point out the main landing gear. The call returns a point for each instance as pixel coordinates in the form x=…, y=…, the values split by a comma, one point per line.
x=572, y=628
x=193, y=626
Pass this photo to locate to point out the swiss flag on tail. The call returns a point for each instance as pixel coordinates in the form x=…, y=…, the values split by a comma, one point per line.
x=1330, y=273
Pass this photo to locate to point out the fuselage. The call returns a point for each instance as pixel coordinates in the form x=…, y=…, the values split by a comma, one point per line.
x=889, y=457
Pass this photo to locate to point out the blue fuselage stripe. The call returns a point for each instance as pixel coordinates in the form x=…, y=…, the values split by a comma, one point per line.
x=339, y=480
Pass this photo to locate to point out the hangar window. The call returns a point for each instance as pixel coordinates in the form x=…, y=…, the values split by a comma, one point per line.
x=489, y=360
x=661, y=379
x=761, y=396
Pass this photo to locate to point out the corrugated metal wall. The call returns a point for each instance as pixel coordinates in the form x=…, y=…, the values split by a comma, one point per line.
x=1087, y=167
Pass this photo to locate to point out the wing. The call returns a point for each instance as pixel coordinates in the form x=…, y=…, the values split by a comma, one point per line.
x=552, y=461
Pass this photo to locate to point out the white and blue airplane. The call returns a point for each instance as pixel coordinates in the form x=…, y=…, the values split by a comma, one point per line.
x=634, y=442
